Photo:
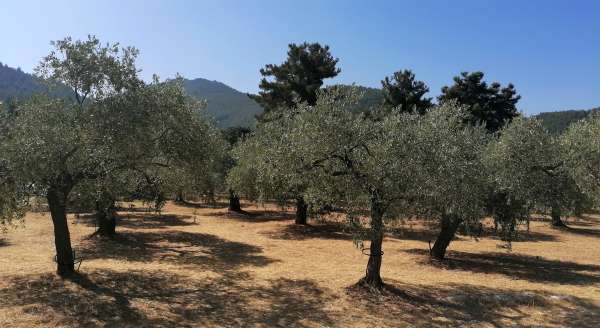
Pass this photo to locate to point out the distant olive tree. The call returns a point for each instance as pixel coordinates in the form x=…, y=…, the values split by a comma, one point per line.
x=234, y=136
x=264, y=169
x=528, y=165
x=582, y=144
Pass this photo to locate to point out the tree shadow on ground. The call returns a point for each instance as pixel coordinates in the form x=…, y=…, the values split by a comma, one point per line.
x=4, y=242
x=341, y=231
x=521, y=235
x=136, y=209
x=254, y=216
x=141, y=220
x=313, y=231
x=135, y=298
x=185, y=248
x=470, y=305
x=188, y=204
x=581, y=231
x=518, y=266
x=109, y=298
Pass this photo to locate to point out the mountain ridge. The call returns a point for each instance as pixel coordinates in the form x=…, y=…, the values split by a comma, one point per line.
x=230, y=107
x=226, y=105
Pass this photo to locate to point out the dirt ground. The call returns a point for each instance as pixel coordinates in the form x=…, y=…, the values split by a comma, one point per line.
x=194, y=266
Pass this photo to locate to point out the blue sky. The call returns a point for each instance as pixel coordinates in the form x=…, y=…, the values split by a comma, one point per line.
x=549, y=49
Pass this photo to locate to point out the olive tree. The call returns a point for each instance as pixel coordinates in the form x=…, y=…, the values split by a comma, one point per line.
x=233, y=136
x=528, y=165
x=352, y=162
x=118, y=124
x=266, y=169
x=582, y=144
x=452, y=181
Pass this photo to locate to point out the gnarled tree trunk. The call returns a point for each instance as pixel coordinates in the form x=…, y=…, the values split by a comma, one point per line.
x=234, y=202
x=373, y=273
x=301, y=211
x=57, y=198
x=449, y=225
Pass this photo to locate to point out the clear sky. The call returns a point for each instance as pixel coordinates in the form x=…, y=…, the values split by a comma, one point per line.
x=549, y=49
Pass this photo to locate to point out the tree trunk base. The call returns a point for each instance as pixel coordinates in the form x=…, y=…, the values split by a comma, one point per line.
x=301, y=211
x=65, y=271
x=107, y=230
x=372, y=284
x=558, y=223
x=447, y=233
x=234, y=202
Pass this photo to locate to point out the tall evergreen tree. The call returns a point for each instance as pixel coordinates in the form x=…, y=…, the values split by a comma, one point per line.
x=492, y=106
x=402, y=92
x=298, y=78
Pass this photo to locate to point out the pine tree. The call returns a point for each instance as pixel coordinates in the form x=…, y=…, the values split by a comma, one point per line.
x=402, y=92
x=297, y=79
x=492, y=106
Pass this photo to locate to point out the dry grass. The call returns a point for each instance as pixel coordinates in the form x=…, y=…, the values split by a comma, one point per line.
x=195, y=266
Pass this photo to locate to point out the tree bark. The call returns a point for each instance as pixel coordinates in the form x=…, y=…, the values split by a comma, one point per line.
x=57, y=198
x=449, y=225
x=234, y=202
x=372, y=277
x=301, y=211
x=556, y=220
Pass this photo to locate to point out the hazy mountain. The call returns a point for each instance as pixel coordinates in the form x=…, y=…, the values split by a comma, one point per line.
x=226, y=105
x=16, y=84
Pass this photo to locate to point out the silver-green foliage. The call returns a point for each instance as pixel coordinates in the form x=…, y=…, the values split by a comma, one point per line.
x=265, y=166
x=530, y=165
x=582, y=143
x=451, y=177
x=427, y=163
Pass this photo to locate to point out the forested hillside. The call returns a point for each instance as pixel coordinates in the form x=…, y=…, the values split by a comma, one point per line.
x=558, y=122
x=16, y=84
x=226, y=105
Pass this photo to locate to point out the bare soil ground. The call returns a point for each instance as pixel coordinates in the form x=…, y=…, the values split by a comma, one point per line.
x=193, y=266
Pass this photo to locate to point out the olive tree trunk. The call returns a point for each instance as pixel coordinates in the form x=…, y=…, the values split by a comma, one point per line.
x=555, y=213
x=57, y=198
x=179, y=198
x=373, y=273
x=301, y=211
x=449, y=226
x=234, y=202
x=107, y=221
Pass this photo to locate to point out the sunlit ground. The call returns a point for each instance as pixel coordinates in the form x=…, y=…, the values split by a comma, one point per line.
x=195, y=266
